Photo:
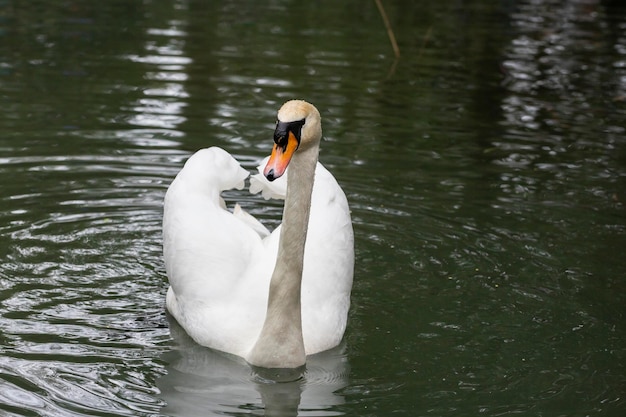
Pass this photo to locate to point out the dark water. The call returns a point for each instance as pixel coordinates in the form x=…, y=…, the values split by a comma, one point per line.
x=486, y=171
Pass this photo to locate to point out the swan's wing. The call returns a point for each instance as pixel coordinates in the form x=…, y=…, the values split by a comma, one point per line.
x=251, y=221
x=328, y=264
x=215, y=260
x=328, y=257
x=276, y=189
x=330, y=237
x=206, y=248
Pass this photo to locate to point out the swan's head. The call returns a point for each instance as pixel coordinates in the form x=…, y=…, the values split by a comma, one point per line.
x=299, y=126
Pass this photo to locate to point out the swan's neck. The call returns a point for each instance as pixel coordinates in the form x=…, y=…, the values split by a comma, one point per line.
x=280, y=344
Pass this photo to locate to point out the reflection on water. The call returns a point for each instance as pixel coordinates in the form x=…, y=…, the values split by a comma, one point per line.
x=161, y=107
x=485, y=176
x=199, y=379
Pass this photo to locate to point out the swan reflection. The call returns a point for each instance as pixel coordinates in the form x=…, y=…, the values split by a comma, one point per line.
x=205, y=382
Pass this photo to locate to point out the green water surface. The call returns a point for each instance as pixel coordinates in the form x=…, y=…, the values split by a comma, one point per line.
x=485, y=169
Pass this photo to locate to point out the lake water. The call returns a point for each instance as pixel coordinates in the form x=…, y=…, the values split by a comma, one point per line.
x=485, y=169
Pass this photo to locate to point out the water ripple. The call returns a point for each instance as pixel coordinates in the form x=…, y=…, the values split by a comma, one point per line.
x=484, y=171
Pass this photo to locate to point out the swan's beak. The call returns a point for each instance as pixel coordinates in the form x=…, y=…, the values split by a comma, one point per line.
x=280, y=157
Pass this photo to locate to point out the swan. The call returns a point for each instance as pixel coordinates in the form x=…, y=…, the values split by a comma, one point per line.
x=269, y=298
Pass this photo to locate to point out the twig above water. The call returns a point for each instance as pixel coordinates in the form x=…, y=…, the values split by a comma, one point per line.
x=392, y=37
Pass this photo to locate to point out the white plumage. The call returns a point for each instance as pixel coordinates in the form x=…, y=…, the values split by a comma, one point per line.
x=219, y=263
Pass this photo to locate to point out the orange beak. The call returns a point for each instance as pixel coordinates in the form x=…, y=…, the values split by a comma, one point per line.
x=280, y=157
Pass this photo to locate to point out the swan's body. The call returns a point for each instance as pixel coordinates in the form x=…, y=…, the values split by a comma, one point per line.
x=221, y=264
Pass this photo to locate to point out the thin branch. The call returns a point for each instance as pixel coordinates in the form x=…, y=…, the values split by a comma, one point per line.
x=392, y=38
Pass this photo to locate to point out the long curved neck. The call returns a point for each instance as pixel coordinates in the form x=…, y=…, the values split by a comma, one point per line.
x=280, y=344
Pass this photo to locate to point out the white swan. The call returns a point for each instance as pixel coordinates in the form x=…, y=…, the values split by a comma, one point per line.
x=267, y=297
